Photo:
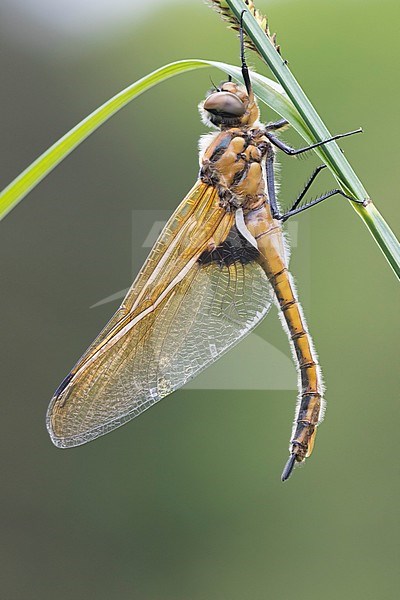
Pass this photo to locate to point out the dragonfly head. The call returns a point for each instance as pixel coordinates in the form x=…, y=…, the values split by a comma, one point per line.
x=229, y=105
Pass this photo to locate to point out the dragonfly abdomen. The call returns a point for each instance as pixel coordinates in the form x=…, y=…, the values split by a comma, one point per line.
x=309, y=409
x=269, y=236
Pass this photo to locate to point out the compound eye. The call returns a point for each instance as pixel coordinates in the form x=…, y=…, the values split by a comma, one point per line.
x=224, y=103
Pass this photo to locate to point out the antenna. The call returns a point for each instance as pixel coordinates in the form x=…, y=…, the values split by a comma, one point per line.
x=213, y=84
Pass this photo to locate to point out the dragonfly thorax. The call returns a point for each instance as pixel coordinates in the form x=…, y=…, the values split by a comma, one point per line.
x=233, y=164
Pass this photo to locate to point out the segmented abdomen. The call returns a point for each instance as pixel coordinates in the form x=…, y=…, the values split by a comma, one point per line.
x=269, y=237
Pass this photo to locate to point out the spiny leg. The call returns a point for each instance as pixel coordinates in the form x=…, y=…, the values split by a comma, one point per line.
x=269, y=164
x=296, y=211
x=293, y=210
x=307, y=187
x=295, y=151
x=245, y=70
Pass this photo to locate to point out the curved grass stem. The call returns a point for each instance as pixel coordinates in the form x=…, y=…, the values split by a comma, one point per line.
x=268, y=91
x=317, y=131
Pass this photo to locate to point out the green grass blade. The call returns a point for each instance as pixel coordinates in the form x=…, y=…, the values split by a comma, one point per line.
x=317, y=131
x=268, y=91
x=382, y=233
x=31, y=176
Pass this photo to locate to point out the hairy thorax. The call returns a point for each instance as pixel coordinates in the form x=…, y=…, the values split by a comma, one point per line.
x=233, y=164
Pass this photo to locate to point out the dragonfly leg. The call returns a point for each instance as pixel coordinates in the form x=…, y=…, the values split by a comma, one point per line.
x=296, y=211
x=307, y=187
x=277, y=125
x=295, y=151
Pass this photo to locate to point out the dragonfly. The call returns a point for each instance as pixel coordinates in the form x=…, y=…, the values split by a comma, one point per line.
x=218, y=265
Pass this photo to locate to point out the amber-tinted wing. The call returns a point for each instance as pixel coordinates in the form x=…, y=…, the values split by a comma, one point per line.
x=200, y=291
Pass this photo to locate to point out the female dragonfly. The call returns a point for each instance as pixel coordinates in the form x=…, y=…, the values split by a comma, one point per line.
x=212, y=275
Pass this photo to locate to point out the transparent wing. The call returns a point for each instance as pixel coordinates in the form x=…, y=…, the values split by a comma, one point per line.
x=200, y=291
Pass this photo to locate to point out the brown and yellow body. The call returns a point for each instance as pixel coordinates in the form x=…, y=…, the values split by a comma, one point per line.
x=212, y=275
x=233, y=163
x=269, y=236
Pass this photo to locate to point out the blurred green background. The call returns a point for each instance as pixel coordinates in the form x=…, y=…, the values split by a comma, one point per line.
x=186, y=502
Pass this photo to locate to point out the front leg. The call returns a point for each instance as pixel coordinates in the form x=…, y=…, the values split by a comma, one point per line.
x=295, y=151
x=281, y=124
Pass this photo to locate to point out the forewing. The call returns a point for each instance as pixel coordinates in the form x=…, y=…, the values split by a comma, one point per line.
x=191, y=302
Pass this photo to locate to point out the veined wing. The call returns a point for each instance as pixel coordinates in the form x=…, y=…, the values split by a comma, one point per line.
x=200, y=291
